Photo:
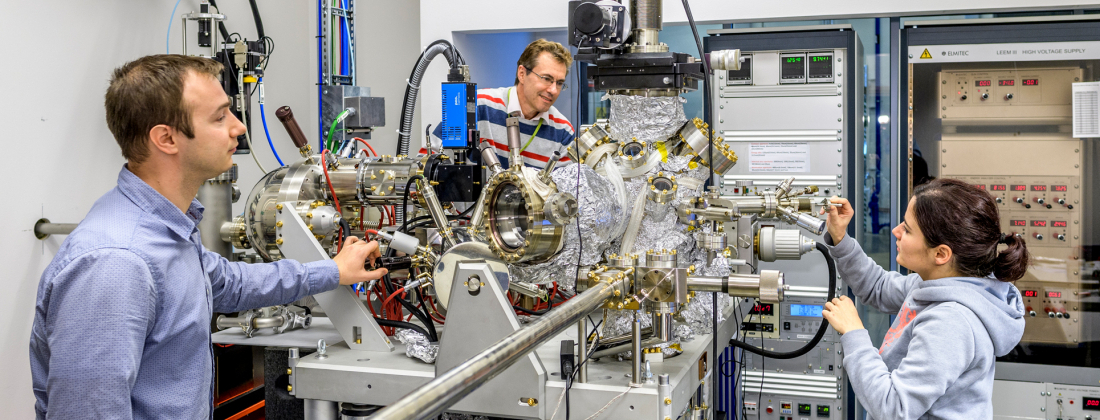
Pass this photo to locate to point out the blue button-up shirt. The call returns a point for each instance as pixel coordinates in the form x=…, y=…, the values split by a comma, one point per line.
x=122, y=320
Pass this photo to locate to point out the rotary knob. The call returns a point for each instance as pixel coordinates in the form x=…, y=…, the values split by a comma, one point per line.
x=1039, y=236
x=1061, y=237
x=1008, y=96
x=985, y=96
x=1040, y=200
x=999, y=200
x=1062, y=201
x=1032, y=313
x=1050, y=314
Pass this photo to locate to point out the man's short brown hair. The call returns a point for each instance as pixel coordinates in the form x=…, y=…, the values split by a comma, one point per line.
x=530, y=57
x=148, y=92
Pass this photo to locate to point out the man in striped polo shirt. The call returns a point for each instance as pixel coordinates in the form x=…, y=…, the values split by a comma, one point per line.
x=540, y=78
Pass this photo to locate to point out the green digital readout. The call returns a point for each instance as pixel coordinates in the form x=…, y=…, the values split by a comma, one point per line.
x=816, y=59
x=795, y=59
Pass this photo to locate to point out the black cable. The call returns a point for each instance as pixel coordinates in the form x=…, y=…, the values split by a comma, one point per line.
x=577, y=195
x=256, y=17
x=820, y=330
x=405, y=199
x=401, y=324
x=387, y=284
x=221, y=25
x=347, y=229
x=530, y=312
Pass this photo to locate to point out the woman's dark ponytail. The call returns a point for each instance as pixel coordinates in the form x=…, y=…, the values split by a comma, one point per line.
x=1011, y=263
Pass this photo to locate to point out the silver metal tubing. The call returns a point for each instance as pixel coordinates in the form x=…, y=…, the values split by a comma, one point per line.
x=742, y=285
x=43, y=228
x=436, y=211
x=582, y=349
x=646, y=14
x=636, y=357
x=607, y=342
x=451, y=386
x=662, y=326
x=514, y=143
x=227, y=322
x=268, y=322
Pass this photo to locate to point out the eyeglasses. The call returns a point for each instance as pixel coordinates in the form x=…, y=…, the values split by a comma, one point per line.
x=550, y=80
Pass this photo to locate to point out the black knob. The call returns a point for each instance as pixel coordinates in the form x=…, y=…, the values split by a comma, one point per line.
x=1049, y=206
x=985, y=96
x=1040, y=200
x=1019, y=200
x=1009, y=96
x=1027, y=206
x=963, y=97
x=998, y=200
x=1062, y=201
x=1070, y=206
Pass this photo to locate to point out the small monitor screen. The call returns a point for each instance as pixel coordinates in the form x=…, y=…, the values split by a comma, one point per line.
x=1090, y=403
x=793, y=67
x=806, y=310
x=821, y=66
x=745, y=74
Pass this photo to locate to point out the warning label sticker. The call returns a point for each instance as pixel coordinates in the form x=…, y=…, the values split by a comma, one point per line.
x=925, y=55
x=779, y=157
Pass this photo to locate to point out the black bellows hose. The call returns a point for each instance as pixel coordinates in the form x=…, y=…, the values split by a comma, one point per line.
x=256, y=17
x=820, y=330
x=412, y=88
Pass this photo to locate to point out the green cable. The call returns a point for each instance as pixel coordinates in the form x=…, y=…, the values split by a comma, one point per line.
x=537, y=127
x=332, y=129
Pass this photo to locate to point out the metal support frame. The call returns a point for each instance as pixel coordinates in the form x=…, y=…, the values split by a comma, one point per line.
x=352, y=320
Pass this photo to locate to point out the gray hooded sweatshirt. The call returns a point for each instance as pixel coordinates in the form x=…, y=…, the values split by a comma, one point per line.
x=937, y=360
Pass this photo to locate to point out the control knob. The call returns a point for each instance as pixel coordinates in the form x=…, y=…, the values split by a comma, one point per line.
x=1062, y=201
x=999, y=201
x=1040, y=200
x=1050, y=314
x=1032, y=313
x=1008, y=96
x=1038, y=236
x=1061, y=237
x=985, y=96
x=963, y=97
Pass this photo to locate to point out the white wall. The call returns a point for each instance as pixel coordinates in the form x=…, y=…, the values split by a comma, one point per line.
x=61, y=157
x=445, y=18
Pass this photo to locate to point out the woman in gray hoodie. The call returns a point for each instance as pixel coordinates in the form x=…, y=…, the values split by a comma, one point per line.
x=956, y=313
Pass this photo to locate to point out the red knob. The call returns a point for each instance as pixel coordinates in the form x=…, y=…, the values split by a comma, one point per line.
x=769, y=410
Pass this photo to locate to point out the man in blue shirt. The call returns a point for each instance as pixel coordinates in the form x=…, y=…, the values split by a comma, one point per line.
x=122, y=319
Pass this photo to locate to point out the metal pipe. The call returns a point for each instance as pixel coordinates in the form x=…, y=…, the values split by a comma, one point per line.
x=608, y=342
x=43, y=228
x=636, y=357
x=767, y=286
x=448, y=388
x=646, y=14
x=582, y=350
x=662, y=326
x=427, y=193
x=489, y=158
x=545, y=174
x=611, y=351
x=268, y=322
x=514, y=143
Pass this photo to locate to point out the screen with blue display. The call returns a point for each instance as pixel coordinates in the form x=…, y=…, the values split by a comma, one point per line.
x=806, y=310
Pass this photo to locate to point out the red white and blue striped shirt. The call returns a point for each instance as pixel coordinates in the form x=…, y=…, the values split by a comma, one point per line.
x=493, y=107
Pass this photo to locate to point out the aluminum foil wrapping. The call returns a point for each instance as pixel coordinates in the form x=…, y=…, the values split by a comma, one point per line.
x=417, y=345
x=647, y=119
x=600, y=214
x=619, y=323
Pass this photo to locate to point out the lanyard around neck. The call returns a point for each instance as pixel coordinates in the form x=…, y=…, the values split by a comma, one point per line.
x=507, y=99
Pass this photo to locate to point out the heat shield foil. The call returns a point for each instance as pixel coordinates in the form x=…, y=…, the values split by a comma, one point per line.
x=599, y=216
x=647, y=119
x=417, y=345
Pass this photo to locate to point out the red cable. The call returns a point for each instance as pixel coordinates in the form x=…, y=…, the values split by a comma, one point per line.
x=368, y=145
x=393, y=295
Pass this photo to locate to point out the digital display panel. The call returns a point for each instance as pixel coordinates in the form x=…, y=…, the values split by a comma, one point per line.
x=1090, y=403
x=1038, y=223
x=1017, y=222
x=1054, y=294
x=1058, y=223
x=997, y=187
x=792, y=68
x=745, y=74
x=806, y=310
x=1006, y=83
x=1038, y=187
x=1031, y=293
x=983, y=83
x=1019, y=188
x=820, y=66
x=763, y=309
x=1058, y=188
x=1030, y=82
x=979, y=186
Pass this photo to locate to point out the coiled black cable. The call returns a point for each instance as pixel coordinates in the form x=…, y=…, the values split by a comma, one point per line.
x=820, y=330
